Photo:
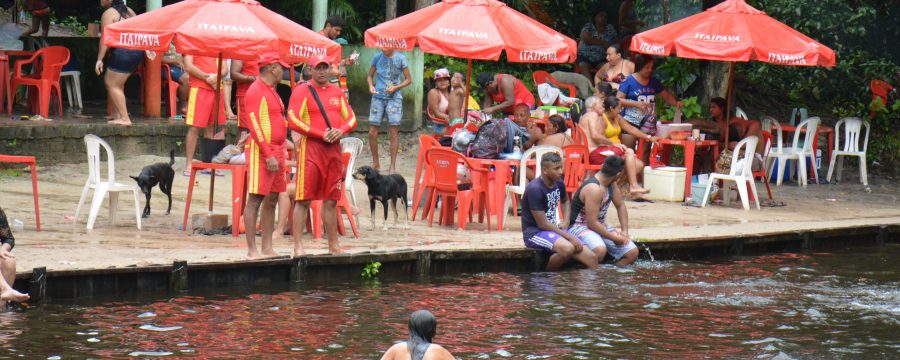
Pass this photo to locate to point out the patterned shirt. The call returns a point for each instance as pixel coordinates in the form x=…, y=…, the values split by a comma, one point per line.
x=609, y=35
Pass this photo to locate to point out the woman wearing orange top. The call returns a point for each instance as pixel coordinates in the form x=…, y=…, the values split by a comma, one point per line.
x=603, y=125
x=616, y=69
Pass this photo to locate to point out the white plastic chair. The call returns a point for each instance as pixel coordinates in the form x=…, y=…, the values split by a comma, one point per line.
x=852, y=128
x=741, y=172
x=535, y=152
x=73, y=86
x=766, y=124
x=353, y=146
x=740, y=113
x=101, y=188
x=807, y=128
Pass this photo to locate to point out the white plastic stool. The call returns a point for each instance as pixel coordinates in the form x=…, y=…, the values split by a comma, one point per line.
x=72, y=84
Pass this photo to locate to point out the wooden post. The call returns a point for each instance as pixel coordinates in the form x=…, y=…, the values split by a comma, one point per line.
x=37, y=287
x=178, y=277
x=423, y=263
x=298, y=269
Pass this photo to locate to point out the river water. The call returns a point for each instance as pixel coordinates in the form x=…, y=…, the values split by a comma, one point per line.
x=840, y=304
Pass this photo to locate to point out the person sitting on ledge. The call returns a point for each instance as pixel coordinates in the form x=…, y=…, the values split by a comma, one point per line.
x=422, y=328
x=588, y=217
x=7, y=265
x=541, y=227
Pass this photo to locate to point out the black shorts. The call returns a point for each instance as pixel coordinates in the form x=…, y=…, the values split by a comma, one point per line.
x=124, y=60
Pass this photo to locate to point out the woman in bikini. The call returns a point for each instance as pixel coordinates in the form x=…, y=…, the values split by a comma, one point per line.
x=603, y=132
x=438, y=100
x=121, y=63
x=616, y=69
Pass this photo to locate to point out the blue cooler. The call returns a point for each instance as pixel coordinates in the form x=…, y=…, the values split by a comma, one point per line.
x=787, y=176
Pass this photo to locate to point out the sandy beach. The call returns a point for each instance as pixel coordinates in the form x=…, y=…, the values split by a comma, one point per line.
x=66, y=245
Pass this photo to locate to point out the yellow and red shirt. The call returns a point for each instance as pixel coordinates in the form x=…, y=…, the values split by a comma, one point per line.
x=250, y=68
x=266, y=112
x=209, y=65
x=306, y=118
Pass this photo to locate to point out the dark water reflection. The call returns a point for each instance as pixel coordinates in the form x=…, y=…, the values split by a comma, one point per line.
x=843, y=304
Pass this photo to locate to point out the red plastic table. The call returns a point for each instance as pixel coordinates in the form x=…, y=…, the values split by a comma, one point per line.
x=690, y=148
x=34, y=187
x=502, y=176
x=238, y=179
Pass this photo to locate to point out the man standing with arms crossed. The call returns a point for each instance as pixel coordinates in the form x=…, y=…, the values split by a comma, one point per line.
x=265, y=157
x=321, y=113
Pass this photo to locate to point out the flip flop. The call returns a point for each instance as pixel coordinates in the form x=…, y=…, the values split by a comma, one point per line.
x=645, y=200
x=186, y=173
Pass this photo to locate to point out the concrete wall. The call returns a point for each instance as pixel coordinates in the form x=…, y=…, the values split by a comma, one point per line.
x=413, y=95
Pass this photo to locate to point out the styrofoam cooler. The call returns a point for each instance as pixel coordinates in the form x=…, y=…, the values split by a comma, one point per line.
x=666, y=183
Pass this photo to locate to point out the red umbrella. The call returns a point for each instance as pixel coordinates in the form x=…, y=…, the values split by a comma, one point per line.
x=733, y=31
x=474, y=29
x=234, y=29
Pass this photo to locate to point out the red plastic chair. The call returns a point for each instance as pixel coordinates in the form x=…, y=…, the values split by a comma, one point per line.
x=238, y=191
x=172, y=86
x=880, y=90
x=436, y=119
x=442, y=164
x=541, y=77
x=29, y=160
x=423, y=177
x=47, y=64
x=575, y=166
x=579, y=136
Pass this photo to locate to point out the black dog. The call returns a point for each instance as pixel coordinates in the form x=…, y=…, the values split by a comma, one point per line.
x=159, y=173
x=383, y=188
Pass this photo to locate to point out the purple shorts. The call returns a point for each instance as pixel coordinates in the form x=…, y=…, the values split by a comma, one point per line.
x=543, y=240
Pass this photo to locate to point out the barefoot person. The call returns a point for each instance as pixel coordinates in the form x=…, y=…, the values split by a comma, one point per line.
x=602, y=124
x=387, y=76
x=589, y=206
x=265, y=157
x=541, y=227
x=422, y=328
x=121, y=63
x=40, y=17
x=201, y=103
x=7, y=265
x=320, y=169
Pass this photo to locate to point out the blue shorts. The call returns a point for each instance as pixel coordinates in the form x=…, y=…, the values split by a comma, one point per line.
x=390, y=107
x=593, y=240
x=124, y=61
x=543, y=240
x=175, y=71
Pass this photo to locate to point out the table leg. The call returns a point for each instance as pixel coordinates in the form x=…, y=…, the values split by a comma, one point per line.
x=34, y=189
x=190, y=193
x=689, y=149
x=212, y=188
x=501, y=175
x=237, y=194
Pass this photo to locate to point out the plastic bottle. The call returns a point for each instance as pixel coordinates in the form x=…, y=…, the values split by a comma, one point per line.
x=517, y=144
x=18, y=225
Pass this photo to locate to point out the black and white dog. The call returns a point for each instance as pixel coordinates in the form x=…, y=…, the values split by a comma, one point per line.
x=159, y=173
x=383, y=188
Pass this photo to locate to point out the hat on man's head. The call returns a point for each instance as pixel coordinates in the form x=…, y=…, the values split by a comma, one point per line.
x=483, y=79
x=441, y=73
x=319, y=59
x=271, y=58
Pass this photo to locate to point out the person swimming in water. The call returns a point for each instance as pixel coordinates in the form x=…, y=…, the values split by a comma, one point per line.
x=422, y=328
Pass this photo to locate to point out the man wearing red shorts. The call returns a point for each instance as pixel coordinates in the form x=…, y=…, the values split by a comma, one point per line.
x=265, y=156
x=201, y=103
x=320, y=170
x=243, y=73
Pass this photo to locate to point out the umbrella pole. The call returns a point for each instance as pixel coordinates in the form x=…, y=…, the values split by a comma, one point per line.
x=468, y=89
x=728, y=95
x=216, y=127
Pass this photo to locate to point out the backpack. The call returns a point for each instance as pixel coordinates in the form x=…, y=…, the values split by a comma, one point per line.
x=576, y=109
x=491, y=139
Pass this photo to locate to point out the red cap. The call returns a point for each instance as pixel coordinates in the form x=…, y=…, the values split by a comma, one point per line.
x=271, y=58
x=320, y=58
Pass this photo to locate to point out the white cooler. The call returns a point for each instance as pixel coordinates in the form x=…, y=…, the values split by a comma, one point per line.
x=666, y=183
